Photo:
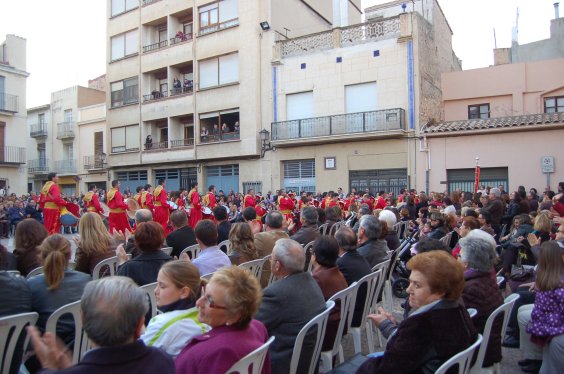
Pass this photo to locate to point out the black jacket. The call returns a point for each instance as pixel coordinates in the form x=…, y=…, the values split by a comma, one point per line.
x=354, y=267
x=180, y=239
x=144, y=268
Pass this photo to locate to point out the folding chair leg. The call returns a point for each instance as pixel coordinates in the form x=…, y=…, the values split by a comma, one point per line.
x=369, y=337
x=341, y=354
x=326, y=362
x=356, y=339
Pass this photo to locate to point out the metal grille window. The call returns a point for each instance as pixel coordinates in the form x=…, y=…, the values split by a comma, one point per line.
x=167, y=174
x=299, y=169
x=257, y=186
x=389, y=180
x=463, y=179
x=132, y=175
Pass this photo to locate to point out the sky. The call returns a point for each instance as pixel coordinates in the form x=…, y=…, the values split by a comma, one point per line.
x=66, y=38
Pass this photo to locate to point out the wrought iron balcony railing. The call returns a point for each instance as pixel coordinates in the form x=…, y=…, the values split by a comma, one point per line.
x=182, y=143
x=12, y=155
x=155, y=146
x=341, y=124
x=65, y=130
x=65, y=166
x=94, y=162
x=182, y=90
x=155, y=95
x=214, y=138
x=155, y=46
x=38, y=166
x=38, y=130
x=8, y=103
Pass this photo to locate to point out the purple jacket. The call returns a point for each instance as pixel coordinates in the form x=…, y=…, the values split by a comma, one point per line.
x=220, y=348
x=547, y=318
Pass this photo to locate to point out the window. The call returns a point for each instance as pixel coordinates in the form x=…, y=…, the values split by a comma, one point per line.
x=41, y=119
x=554, y=104
x=360, y=97
x=125, y=139
x=299, y=175
x=216, y=16
x=219, y=70
x=68, y=151
x=208, y=15
x=122, y=6
x=68, y=116
x=125, y=92
x=479, y=111
x=217, y=126
x=257, y=186
x=125, y=44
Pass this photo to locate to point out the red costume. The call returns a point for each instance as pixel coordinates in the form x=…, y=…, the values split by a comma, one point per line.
x=381, y=203
x=325, y=202
x=118, y=218
x=51, y=203
x=249, y=201
x=92, y=203
x=196, y=210
x=145, y=201
x=181, y=203
x=162, y=209
x=286, y=207
x=260, y=211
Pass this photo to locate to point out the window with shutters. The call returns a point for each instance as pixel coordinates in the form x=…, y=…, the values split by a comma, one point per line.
x=124, y=92
x=464, y=179
x=122, y=6
x=219, y=71
x=299, y=175
x=124, y=45
x=256, y=185
x=125, y=139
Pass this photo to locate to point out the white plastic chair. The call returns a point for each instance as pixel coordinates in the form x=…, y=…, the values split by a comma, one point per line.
x=320, y=323
x=387, y=301
x=193, y=251
x=150, y=289
x=505, y=308
x=472, y=312
x=345, y=298
x=226, y=244
x=34, y=272
x=207, y=276
x=254, y=359
x=15, y=324
x=109, y=263
x=462, y=359
x=255, y=267
x=324, y=229
x=446, y=239
x=271, y=278
x=167, y=250
x=81, y=341
x=307, y=248
x=499, y=280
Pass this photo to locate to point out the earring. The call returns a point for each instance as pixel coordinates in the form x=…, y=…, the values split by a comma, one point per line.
x=227, y=323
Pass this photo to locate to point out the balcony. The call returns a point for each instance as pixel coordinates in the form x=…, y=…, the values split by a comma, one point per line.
x=218, y=26
x=38, y=130
x=8, y=103
x=186, y=90
x=155, y=46
x=65, y=130
x=94, y=162
x=222, y=137
x=65, y=166
x=379, y=123
x=155, y=95
x=155, y=146
x=181, y=38
x=38, y=166
x=182, y=143
x=12, y=155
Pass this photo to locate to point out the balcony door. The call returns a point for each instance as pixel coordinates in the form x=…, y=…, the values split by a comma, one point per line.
x=360, y=98
x=68, y=116
x=299, y=107
x=98, y=148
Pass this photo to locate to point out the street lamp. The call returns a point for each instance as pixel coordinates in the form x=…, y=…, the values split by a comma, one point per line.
x=265, y=142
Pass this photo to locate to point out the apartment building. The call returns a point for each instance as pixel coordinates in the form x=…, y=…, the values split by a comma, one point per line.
x=92, y=151
x=53, y=144
x=13, y=135
x=191, y=87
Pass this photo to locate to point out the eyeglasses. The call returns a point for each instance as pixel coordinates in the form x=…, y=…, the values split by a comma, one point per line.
x=209, y=301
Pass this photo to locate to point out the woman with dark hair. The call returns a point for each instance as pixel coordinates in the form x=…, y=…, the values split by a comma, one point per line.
x=324, y=254
x=30, y=233
x=242, y=244
x=143, y=269
x=423, y=203
x=7, y=260
x=411, y=207
x=513, y=208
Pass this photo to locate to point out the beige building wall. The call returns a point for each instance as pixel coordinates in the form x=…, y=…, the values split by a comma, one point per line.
x=13, y=139
x=38, y=165
x=91, y=119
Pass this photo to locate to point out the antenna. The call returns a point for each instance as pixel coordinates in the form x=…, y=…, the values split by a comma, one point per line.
x=495, y=39
x=515, y=31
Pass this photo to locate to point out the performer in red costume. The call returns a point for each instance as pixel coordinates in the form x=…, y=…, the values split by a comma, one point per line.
x=91, y=201
x=196, y=210
x=250, y=199
x=162, y=209
x=285, y=205
x=51, y=202
x=180, y=201
x=381, y=202
x=145, y=199
x=209, y=198
x=118, y=218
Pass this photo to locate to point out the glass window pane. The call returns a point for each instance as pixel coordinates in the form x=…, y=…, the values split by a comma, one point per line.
x=131, y=42
x=229, y=68
x=131, y=4
x=132, y=137
x=549, y=102
x=118, y=47
x=227, y=10
x=208, y=73
x=118, y=137
x=118, y=6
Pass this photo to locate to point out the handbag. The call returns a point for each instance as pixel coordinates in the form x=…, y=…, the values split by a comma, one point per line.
x=520, y=274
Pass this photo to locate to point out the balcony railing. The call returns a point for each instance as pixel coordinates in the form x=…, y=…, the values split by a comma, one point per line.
x=182, y=90
x=38, y=130
x=182, y=143
x=12, y=155
x=155, y=46
x=155, y=146
x=180, y=38
x=65, y=130
x=8, y=103
x=94, y=162
x=219, y=137
x=38, y=166
x=155, y=95
x=218, y=26
x=65, y=166
x=341, y=124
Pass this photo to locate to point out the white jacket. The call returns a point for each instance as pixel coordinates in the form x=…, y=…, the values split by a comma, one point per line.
x=172, y=331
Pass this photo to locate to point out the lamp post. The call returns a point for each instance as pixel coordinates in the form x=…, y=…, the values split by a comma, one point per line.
x=265, y=142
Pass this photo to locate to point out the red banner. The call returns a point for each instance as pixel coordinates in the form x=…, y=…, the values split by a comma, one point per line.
x=477, y=179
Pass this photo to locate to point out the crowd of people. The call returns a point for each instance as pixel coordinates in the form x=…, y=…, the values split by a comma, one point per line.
x=461, y=242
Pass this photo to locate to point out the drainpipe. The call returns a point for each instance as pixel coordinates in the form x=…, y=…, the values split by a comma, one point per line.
x=424, y=147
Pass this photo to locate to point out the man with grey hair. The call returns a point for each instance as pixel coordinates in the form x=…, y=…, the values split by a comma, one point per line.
x=141, y=215
x=309, y=230
x=264, y=241
x=481, y=292
x=288, y=304
x=496, y=208
x=370, y=246
x=364, y=210
x=113, y=316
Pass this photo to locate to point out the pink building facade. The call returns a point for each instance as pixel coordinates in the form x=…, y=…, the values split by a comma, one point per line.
x=509, y=116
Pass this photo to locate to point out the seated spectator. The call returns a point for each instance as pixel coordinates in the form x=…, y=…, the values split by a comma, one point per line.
x=4, y=222
x=32, y=211
x=370, y=246
x=485, y=219
x=29, y=235
x=468, y=224
x=481, y=291
x=7, y=260
x=16, y=213
x=283, y=310
x=242, y=244
x=234, y=332
x=223, y=225
x=391, y=236
x=143, y=269
x=211, y=258
x=250, y=216
x=95, y=243
x=309, y=230
x=329, y=278
x=183, y=235
x=512, y=243
x=178, y=288
x=113, y=312
x=264, y=241
x=141, y=215
x=439, y=328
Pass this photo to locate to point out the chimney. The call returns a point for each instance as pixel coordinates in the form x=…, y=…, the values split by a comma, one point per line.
x=556, y=11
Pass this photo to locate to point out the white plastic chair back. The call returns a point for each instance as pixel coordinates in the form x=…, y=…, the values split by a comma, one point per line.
x=34, y=272
x=193, y=251
x=254, y=359
x=320, y=323
x=499, y=280
x=505, y=308
x=14, y=324
x=167, y=250
x=255, y=267
x=14, y=272
x=226, y=244
x=324, y=229
x=109, y=263
x=446, y=239
x=472, y=312
x=271, y=278
x=207, y=276
x=150, y=289
x=81, y=341
x=307, y=248
x=345, y=298
x=462, y=359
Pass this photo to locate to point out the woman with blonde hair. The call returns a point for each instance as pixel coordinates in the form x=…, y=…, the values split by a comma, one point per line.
x=179, y=286
x=58, y=285
x=242, y=244
x=95, y=243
